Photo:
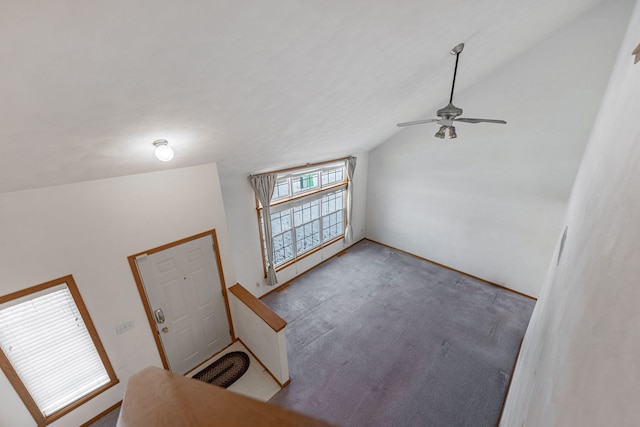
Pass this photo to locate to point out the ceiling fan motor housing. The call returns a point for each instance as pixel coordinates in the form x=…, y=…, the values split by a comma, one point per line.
x=449, y=112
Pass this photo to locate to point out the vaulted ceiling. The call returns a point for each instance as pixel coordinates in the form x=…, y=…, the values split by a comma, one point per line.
x=86, y=87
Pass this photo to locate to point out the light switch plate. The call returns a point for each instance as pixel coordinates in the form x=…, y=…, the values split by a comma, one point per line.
x=124, y=327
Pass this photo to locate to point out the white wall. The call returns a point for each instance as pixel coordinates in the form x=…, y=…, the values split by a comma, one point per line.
x=491, y=202
x=88, y=230
x=580, y=358
x=240, y=206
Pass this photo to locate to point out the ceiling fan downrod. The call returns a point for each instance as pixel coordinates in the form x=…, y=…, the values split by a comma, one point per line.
x=455, y=51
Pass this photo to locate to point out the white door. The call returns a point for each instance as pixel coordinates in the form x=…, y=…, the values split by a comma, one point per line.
x=184, y=291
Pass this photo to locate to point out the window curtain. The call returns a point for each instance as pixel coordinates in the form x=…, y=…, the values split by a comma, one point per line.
x=263, y=186
x=351, y=168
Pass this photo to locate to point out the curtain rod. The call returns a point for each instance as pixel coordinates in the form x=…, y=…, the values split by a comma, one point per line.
x=308, y=165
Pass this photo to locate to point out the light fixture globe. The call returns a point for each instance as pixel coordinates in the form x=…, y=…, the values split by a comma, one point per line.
x=441, y=132
x=163, y=152
x=452, y=132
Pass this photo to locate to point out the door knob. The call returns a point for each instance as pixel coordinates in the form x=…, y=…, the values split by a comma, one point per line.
x=165, y=329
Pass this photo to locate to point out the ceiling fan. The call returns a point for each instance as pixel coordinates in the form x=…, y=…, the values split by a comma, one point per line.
x=450, y=113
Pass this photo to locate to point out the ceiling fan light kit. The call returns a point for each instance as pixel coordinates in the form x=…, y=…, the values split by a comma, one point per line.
x=449, y=114
x=452, y=132
x=443, y=131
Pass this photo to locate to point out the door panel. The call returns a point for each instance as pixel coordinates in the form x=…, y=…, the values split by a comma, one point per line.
x=183, y=282
x=187, y=346
x=174, y=302
x=201, y=288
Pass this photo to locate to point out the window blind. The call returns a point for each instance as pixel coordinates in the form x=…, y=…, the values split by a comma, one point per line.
x=46, y=341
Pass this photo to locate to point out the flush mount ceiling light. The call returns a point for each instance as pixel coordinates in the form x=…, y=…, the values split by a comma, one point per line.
x=163, y=151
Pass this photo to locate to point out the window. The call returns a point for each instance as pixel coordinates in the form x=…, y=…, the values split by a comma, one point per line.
x=307, y=211
x=51, y=352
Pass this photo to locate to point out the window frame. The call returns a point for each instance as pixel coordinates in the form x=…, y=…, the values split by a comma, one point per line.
x=298, y=198
x=17, y=383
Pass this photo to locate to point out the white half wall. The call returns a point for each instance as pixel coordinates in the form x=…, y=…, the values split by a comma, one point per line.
x=269, y=346
x=88, y=230
x=580, y=356
x=240, y=206
x=491, y=202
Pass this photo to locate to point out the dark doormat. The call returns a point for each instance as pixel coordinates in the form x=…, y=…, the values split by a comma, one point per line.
x=226, y=370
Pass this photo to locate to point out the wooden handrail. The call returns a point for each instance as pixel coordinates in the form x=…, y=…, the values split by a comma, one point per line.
x=263, y=311
x=159, y=398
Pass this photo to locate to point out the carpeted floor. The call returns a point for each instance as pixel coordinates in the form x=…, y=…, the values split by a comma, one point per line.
x=109, y=420
x=377, y=337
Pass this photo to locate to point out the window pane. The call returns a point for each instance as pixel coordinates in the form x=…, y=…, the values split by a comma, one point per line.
x=332, y=225
x=47, y=343
x=332, y=176
x=281, y=190
x=280, y=221
x=305, y=182
x=308, y=236
x=275, y=224
x=278, y=242
x=282, y=238
x=283, y=252
x=286, y=219
x=306, y=212
x=332, y=202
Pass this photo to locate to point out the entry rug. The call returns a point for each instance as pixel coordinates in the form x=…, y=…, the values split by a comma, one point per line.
x=226, y=370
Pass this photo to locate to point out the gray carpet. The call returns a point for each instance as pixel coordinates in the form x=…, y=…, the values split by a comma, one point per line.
x=377, y=337
x=109, y=420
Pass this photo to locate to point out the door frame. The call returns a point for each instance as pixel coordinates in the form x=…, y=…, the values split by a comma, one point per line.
x=145, y=299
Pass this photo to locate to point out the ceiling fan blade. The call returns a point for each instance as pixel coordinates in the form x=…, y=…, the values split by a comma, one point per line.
x=417, y=122
x=467, y=120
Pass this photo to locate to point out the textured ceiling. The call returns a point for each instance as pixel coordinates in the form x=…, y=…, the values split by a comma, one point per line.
x=87, y=86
